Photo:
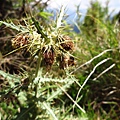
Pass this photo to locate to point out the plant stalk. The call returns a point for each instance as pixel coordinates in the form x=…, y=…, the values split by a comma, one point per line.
x=37, y=70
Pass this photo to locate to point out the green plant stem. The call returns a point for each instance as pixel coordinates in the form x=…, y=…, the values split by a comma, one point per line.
x=38, y=64
x=37, y=70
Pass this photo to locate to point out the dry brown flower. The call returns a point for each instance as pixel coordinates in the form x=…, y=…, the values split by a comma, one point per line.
x=63, y=61
x=48, y=57
x=66, y=61
x=67, y=43
x=20, y=41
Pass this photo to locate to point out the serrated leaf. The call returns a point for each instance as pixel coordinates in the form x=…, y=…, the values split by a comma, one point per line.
x=22, y=97
x=15, y=27
x=8, y=76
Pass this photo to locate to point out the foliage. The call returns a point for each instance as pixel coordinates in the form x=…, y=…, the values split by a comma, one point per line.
x=34, y=92
x=30, y=87
x=99, y=42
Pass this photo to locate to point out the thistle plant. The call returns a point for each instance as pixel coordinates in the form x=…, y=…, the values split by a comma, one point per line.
x=49, y=42
x=48, y=48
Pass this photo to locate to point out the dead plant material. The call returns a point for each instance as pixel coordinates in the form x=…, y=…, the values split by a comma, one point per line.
x=71, y=61
x=63, y=61
x=66, y=61
x=20, y=41
x=67, y=43
x=48, y=57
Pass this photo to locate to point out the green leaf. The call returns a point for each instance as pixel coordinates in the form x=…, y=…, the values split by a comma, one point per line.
x=9, y=76
x=39, y=29
x=15, y=27
x=45, y=14
x=22, y=97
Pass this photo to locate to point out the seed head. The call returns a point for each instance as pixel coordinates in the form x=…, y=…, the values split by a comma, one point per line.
x=19, y=41
x=66, y=61
x=48, y=57
x=67, y=44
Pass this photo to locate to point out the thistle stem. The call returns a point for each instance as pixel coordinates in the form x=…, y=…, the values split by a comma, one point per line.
x=38, y=64
x=37, y=70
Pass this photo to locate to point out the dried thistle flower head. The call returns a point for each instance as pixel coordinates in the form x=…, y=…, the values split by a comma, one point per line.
x=48, y=56
x=66, y=61
x=20, y=40
x=67, y=43
x=63, y=61
x=71, y=61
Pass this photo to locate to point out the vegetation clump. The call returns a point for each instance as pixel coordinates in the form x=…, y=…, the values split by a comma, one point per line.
x=39, y=75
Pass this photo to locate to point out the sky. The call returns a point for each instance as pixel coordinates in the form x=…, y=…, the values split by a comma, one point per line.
x=84, y=4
